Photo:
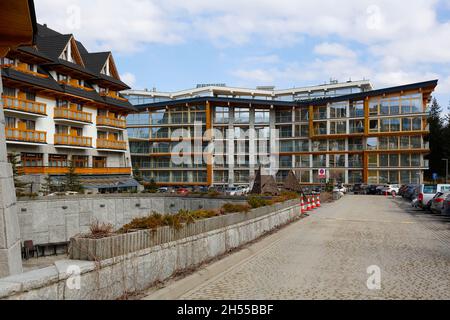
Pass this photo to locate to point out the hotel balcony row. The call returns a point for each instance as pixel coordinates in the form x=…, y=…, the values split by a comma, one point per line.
x=40, y=137
x=81, y=171
x=38, y=109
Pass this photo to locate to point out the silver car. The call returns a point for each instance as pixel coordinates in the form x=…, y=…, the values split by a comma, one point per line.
x=437, y=203
x=446, y=206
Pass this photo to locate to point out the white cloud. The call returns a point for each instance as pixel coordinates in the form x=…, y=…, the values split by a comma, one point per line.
x=129, y=78
x=334, y=49
x=397, y=41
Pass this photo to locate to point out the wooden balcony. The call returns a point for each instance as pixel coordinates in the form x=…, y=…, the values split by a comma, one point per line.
x=75, y=115
x=21, y=135
x=112, y=95
x=75, y=85
x=111, y=144
x=77, y=141
x=83, y=171
x=12, y=103
x=22, y=68
x=111, y=122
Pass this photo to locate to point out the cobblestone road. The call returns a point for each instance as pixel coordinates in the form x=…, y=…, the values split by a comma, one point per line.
x=326, y=256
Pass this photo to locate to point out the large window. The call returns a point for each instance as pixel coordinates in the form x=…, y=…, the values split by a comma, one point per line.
x=396, y=105
x=338, y=127
x=262, y=116
x=357, y=109
x=320, y=113
x=338, y=110
x=302, y=130
x=337, y=160
x=159, y=117
x=242, y=115
x=303, y=161
x=356, y=126
x=337, y=145
x=222, y=115
x=138, y=133
x=283, y=116
x=302, y=115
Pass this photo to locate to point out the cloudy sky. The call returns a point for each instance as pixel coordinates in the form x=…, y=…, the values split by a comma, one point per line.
x=175, y=44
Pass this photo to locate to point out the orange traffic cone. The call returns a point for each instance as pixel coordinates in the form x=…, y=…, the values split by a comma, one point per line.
x=308, y=203
x=302, y=207
x=313, y=203
x=318, y=201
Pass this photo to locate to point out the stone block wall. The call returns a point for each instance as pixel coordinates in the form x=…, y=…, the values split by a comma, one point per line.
x=113, y=278
x=55, y=220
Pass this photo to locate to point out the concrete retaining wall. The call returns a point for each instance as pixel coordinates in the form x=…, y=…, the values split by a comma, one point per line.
x=112, y=278
x=55, y=220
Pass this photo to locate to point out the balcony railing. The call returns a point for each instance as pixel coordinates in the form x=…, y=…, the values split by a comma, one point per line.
x=110, y=122
x=26, y=135
x=75, y=85
x=24, y=105
x=85, y=171
x=112, y=95
x=68, y=140
x=24, y=70
x=110, y=144
x=63, y=113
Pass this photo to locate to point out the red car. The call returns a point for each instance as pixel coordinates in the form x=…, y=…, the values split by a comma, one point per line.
x=183, y=191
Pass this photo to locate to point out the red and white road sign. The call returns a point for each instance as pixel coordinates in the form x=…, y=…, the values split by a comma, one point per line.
x=322, y=173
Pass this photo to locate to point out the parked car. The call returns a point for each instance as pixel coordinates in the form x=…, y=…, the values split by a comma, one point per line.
x=182, y=191
x=410, y=192
x=244, y=190
x=360, y=188
x=402, y=190
x=390, y=189
x=446, y=206
x=426, y=192
x=340, y=188
x=233, y=191
x=372, y=189
x=437, y=203
x=163, y=190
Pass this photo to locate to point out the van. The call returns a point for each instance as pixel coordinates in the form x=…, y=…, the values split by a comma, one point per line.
x=426, y=193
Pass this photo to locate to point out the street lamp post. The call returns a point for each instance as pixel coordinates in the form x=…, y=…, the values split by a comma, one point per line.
x=446, y=170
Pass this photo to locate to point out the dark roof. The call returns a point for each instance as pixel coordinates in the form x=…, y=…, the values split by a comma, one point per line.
x=320, y=101
x=53, y=46
x=49, y=46
x=119, y=103
x=96, y=61
x=48, y=83
x=214, y=99
x=35, y=52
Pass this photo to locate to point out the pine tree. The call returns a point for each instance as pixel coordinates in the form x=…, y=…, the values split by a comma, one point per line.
x=151, y=187
x=48, y=186
x=436, y=140
x=72, y=180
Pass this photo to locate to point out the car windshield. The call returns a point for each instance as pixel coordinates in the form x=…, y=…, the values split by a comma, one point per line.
x=429, y=189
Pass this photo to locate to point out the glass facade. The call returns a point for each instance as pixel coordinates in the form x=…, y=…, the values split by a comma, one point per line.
x=377, y=140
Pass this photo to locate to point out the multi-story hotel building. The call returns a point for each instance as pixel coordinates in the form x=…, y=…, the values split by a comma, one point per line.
x=354, y=132
x=62, y=106
x=357, y=134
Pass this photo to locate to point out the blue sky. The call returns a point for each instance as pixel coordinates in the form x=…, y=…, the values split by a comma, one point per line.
x=174, y=44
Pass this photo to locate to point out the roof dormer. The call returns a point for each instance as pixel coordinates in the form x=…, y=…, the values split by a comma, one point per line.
x=71, y=53
x=109, y=68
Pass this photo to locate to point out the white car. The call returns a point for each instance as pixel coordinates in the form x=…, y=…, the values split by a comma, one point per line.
x=340, y=189
x=244, y=190
x=390, y=189
x=233, y=191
